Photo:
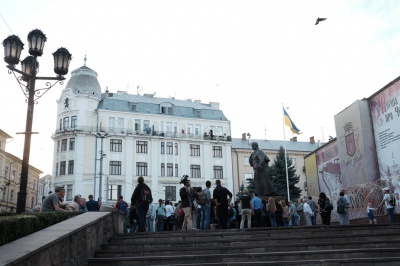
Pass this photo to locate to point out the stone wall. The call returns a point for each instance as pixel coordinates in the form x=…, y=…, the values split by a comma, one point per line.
x=70, y=242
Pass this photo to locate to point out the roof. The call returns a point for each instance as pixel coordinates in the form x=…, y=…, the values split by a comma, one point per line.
x=123, y=102
x=299, y=146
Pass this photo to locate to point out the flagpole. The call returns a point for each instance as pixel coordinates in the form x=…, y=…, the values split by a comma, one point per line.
x=284, y=141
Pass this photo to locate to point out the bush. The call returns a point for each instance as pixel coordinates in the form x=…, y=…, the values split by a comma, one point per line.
x=13, y=226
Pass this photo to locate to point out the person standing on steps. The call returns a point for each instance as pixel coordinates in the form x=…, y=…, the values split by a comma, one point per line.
x=220, y=195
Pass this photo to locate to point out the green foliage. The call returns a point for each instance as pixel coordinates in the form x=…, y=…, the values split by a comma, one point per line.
x=15, y=226
x=250, y=185
x=277, y=172
x=240, y=193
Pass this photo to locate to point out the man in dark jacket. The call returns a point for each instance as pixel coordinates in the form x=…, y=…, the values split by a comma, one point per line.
x=92, y=205
x=188, y=195
x=141, y=206
x=220, y=195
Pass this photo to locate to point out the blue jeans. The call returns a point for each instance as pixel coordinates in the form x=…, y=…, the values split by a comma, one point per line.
x=314, y=219
x=272, y=219
x=294, y=220
x=160, y=223
x=391, y=215
x=150, y=224
x=205, y=217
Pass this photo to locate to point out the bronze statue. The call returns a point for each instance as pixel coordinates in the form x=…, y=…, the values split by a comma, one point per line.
x=259, y=161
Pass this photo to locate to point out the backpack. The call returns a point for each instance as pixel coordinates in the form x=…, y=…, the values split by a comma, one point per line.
x=202, y=198
x=392, y=201
x=145, y=196
x=123, y=207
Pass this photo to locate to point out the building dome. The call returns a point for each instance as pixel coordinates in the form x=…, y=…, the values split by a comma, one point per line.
x=84, y=81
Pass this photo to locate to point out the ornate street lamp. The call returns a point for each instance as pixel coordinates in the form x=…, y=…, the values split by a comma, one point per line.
x=29, y=66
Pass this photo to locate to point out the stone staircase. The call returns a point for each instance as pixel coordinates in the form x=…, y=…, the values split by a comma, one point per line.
x=316, y=245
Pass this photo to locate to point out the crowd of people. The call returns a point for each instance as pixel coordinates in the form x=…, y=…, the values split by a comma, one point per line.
x=198, y=209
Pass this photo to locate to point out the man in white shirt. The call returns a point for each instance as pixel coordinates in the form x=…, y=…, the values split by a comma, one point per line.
x=389, y=208
x=308, y=213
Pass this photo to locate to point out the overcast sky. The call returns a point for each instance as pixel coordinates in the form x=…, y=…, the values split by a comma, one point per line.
x=250, y=56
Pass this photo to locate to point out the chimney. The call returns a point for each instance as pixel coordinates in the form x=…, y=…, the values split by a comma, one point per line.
x=244, y=136
x=294, y=139
x=312, y=140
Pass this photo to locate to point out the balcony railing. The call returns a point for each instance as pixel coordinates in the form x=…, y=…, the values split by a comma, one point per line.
x=146, y=132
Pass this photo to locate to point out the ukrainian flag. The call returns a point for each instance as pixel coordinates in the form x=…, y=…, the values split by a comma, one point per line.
x=290, y=123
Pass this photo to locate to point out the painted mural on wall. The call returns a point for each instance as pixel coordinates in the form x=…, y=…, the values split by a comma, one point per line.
x=328, y=169
x=385, y=113
x=356, y=150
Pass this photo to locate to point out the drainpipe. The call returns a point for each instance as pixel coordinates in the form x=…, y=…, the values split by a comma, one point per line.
x=237, y=163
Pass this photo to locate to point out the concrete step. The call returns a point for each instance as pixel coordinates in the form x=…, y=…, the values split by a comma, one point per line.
x=271, y=257
x=317, y=245
x=267, y=246
x=258, y=240
x=234, y=234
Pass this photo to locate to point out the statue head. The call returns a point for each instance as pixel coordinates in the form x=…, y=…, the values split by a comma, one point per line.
x=254, y=145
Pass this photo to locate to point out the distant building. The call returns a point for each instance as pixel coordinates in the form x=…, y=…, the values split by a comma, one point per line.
x=44, y=187
x=10, y=178
x=107, y=140
x=296, y=150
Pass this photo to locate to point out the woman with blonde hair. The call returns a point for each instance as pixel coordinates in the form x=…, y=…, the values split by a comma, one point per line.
x=285, y=214
x=271, y=211
x=245, y=202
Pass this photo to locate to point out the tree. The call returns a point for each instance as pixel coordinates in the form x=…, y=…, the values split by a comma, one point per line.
x=277, y=173
x=240, y=193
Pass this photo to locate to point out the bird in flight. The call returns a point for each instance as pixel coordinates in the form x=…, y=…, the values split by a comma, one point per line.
x=318, y=20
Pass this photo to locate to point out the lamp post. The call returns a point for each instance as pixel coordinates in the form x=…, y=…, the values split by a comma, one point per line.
x=29, y=66
x=101, y=135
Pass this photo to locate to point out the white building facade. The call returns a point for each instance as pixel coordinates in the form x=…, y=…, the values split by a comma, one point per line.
x=104, y=141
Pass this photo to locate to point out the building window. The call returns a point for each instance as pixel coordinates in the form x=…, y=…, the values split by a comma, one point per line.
x=12, y=196
x=170, y=148
x=170, y=193
x=114, y=191
x=56, y=169
x=63, y=144
x=194, y=150
x=162, y=147
x=58, y=146
x=69, y=193
x=141, y=169
x=62, y=167
x=60, y=124
x=176, y=170
x=141, y=146
x=218, y=173
x=73, y=121
x=72, y=144
x=162, y=169
x=13, y=175
x=71, y=167
x=133, y=107
x=246, y=161
x=217, y=151
x=176, y=148
x=195, y=171
x=115, y=167
x=170, y=169
x=116, y=145
x=197, y=113
x=65, y=123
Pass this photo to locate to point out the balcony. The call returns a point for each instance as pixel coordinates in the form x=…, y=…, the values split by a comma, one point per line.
x=147, y=132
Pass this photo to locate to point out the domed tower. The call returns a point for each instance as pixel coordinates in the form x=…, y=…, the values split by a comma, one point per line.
x=74, y=159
